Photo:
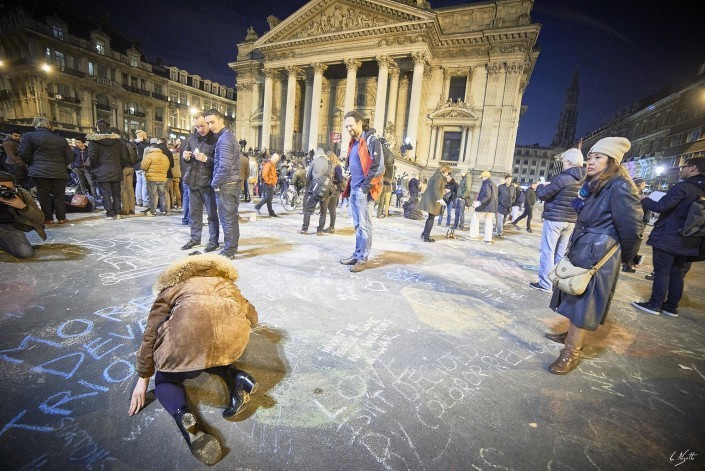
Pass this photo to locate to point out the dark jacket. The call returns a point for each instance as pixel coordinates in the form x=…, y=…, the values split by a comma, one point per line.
x=46, y=154
x=414, y=186
x=673, y=209
x=27, y=219
x=464, y=187
x=244, y=170
x=141, y=146
x=107, y=154
x=558, y=195
x=452, y=187
x=530, y=196
x=80, y=157
x=197, y=175
x=611, y=216
x=10, y=145
x=411, y=209
x=226, y=160
x=505, y=197
x=433, y=193
x=487, y=197
x=169, y=155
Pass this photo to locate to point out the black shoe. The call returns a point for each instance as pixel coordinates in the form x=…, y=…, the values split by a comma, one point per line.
x=528, y=229
x=191, y=244
x=538, y=286
x=203, y=446
x=258, y=211
x=211, y=246
x=228, y=254
x=243, y=386
x=626, y=268
x=428, y=239
x=558, y=338
x=319, y=233
x=330, y=230
x=303, y=231
x=349, y=261
x=646, y=307
x=515, y=225
x=649, y=277
x=272, y=215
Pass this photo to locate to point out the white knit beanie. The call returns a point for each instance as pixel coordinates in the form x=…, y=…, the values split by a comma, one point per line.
x=613, y=147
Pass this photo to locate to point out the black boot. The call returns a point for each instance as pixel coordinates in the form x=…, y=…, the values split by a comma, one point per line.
x=204, y=447
x=243, y=386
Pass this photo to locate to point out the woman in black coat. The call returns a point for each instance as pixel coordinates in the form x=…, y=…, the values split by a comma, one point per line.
x=609, y=214
x=432, y=199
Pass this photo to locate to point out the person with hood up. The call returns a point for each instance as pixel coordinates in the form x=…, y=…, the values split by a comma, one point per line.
x=199, y=322
x=108, y=155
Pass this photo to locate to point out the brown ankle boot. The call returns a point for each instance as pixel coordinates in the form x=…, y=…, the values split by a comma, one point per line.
x=570, y=355
x=558, y=338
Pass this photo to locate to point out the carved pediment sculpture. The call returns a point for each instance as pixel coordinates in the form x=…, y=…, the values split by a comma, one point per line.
x=339, y=18
x=455, y=110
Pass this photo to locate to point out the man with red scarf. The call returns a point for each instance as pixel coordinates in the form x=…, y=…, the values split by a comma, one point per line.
x=364, y=187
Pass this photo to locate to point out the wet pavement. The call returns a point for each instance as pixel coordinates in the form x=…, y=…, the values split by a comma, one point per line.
x=433, y=358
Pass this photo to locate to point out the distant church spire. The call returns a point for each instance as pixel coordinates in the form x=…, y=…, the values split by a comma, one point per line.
x=565, y=134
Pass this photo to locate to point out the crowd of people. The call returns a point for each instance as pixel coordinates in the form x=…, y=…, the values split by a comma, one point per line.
x=593, y=216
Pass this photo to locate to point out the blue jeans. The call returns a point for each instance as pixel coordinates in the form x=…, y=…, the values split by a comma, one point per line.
x=459, y=213
x=141, y=190
x=186, y=205
x=14, y=242
x=360, y=209
x=228, y=199
x=554, y=241
x=198, y=199
x=157, y=191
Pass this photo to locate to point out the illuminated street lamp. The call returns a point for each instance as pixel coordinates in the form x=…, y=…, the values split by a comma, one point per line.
x=659, y=170
x=193, y=111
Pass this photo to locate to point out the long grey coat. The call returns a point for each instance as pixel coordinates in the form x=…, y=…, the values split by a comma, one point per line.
x=434, y=192
x=611, y=216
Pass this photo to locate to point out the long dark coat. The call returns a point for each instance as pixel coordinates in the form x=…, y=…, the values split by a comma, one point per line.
x=107, y=153
x=611, y=216
x=433, y=193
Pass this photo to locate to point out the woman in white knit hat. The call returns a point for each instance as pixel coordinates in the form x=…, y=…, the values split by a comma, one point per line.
x=609, y=214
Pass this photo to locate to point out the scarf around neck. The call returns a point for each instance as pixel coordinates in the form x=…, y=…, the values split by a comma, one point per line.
x=587, y=188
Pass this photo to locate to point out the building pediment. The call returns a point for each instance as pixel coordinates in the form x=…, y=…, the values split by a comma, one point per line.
x=454, y=111
x=326, y=20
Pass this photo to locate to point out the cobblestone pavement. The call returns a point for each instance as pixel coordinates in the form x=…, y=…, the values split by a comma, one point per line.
x=433, y=358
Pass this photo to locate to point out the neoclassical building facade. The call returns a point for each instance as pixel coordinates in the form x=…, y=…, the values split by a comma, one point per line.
x=443, y=85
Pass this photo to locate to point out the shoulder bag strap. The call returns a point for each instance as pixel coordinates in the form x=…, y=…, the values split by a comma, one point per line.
x=606, y=257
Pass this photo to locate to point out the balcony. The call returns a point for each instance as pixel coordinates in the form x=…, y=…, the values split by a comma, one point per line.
x=139, y=114
x=159, y=96
x=74, y=72
x=63, y=98
x=132, y=89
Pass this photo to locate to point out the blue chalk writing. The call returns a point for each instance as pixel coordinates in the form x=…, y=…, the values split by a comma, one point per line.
x=63, y=398
x=129, y=373
x=41, y=368
x=24, y=345
x=88, y=327
x=14, y=423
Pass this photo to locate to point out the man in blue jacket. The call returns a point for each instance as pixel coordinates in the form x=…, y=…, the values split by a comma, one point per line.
x=226, y=180
x=558, y=215
x=485, y=208
x=673, y=252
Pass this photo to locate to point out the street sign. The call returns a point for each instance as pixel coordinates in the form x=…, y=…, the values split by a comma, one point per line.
x=336, y=137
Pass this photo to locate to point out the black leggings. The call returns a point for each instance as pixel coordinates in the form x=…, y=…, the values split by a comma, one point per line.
x=169, y=387
x=428, y=227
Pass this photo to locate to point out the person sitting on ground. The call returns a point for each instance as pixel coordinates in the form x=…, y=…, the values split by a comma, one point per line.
x=18, y=214
x=199, y=322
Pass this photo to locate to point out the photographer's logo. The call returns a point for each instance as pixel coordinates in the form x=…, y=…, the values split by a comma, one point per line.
x=679, y=458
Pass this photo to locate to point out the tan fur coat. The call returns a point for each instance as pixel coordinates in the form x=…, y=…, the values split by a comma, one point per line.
x=199, y=319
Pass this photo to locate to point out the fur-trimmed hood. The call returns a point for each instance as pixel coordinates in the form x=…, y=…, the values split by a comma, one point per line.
x=97, y=138
x=195, y=265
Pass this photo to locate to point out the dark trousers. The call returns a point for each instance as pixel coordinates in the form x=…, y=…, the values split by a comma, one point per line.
x=20, y=174
x=528, y=214
x=169, y=387
x=198, y=199
x=310, y=206
x=50, y=193
x=110, y=192
x=332, y=207
x=228, y=200
x=669, y=273
x=267, y=198
x=428, y=227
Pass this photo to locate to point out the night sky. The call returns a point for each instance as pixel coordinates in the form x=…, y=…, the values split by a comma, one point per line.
x=623, y=49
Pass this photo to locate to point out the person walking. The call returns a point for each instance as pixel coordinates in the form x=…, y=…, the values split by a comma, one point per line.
x=269, y=180
x=47, y=157
x=529, y=202
x=432, y=199
x=558, y=215
x=609, y=215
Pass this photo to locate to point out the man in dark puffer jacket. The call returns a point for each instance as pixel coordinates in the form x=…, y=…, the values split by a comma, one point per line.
x=108, y=155
x=558, y=215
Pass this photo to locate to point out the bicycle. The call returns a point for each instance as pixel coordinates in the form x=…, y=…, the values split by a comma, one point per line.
x=291, y=199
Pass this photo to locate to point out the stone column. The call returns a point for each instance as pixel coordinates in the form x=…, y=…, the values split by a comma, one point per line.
x=393, y=96
x=415, y=103
x=384, y=63
x=485, y=147
x=349, y=103
x=401, y=109
x=254, y=109
x=510, y=110
x=463, y=139
x=270, y=74
x=307, y=113
x=318, y=69
x=290, y=107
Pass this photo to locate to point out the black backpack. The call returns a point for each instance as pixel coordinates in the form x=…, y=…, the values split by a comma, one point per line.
x=322, y=187
x=695, y=221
